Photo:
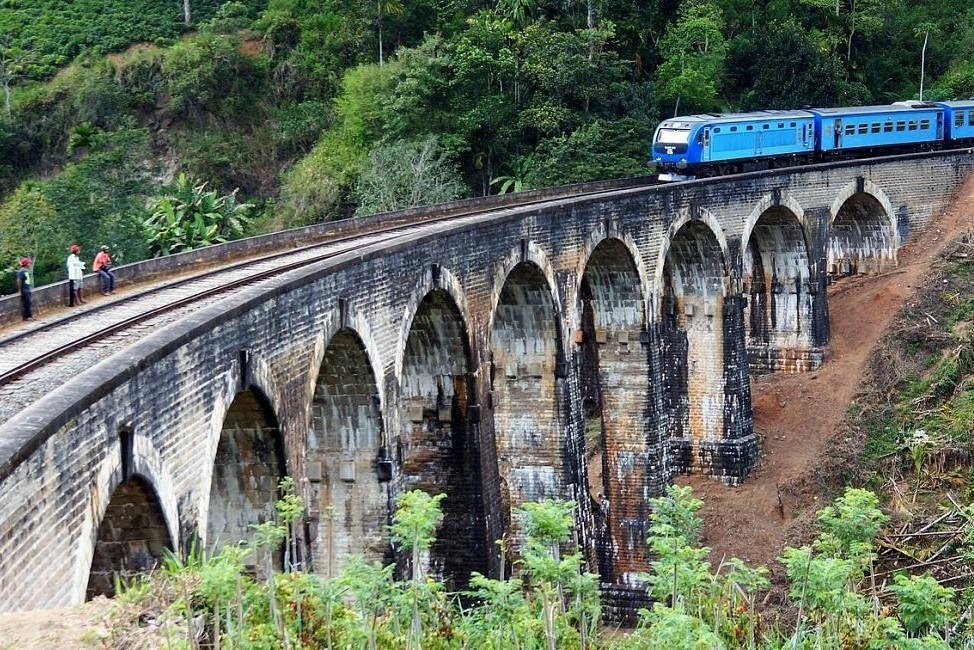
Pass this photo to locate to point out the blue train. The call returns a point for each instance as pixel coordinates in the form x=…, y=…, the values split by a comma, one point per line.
x=696, y=146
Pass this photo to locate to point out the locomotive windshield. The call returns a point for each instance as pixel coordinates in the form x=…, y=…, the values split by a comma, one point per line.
x=673, y=136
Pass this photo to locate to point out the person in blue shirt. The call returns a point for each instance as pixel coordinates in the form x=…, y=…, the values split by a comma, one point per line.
x=24, y=282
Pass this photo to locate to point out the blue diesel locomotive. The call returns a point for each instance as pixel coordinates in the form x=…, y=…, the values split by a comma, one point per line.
x=715, y=144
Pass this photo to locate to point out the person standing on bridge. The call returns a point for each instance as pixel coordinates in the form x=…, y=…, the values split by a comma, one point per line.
x=103, y=267
x=24, y=282
x=76, y=274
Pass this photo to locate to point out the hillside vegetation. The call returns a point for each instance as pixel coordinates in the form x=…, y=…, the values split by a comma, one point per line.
x=315, y=109
x=42, y=36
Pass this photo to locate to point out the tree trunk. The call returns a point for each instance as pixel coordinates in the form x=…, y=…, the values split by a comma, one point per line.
x=923, y=63
x=187, y=17
x=590, y=21
x=380, y=40
x=6, y=95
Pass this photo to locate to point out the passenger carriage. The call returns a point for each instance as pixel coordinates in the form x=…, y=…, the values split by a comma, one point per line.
x=959, y=119
x=904, y=124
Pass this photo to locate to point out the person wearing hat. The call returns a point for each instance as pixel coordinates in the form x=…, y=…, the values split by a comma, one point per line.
x=103, y=267
x=24, y=281
x=76, y=273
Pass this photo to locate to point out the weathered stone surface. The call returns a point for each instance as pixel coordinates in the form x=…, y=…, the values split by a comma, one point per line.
x=460, y=359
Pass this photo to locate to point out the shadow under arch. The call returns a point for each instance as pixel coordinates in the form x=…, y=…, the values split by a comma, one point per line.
x=131, y=537
x=626, y=462
x=247, y=466
x=692, y=287
x=527, y=369
x=778, y=304
x=437, y=444
x=345, y=443
x=863, y=235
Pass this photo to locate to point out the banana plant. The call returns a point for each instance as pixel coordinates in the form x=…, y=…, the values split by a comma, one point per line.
x=191, y=216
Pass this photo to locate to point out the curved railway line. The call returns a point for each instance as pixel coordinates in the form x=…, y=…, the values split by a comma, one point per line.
x=36, y=361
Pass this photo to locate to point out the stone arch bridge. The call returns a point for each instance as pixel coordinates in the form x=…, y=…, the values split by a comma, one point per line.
x=585, y=348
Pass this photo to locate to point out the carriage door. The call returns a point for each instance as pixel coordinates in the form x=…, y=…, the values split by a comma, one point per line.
x=705, y=144
x=940, y=125
x=837, y=130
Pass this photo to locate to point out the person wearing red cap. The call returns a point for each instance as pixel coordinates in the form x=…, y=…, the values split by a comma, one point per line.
x=76, y=274
x=24, y=282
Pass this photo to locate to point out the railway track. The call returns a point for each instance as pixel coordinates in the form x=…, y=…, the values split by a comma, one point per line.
x=109, y=326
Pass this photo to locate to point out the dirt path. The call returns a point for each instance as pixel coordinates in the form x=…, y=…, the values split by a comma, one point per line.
x=799, y=414
x=77, y=627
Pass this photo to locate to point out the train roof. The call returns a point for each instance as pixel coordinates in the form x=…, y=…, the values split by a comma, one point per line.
x=958, y=103
x=900, y=107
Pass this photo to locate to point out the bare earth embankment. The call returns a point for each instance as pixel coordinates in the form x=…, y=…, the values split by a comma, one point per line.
x=801, y=416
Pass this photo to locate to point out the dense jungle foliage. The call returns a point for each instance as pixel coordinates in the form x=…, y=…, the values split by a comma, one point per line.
x=316, y=110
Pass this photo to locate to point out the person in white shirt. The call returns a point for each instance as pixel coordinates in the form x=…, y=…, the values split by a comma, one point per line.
x=76, y=273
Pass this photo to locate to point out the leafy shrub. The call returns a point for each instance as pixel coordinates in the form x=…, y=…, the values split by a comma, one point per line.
x=924, y=604
x=192, y=216
x=203, y=74
x=405, y=175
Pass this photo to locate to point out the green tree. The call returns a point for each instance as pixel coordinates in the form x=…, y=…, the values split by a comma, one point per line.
x=595, y=151
x=693, y=52
x=849, y=18
x=924, y=605
x=12, y=61
x=413, y=530
x=783, y=67
x=29, y=228
x=405, y=175
x=517, y=11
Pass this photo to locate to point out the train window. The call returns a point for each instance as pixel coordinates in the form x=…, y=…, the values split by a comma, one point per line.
x=750, y=127
x=924, y=125
x=913, y=125
x=887, y=127
x=863, y=129
x=850, y=129
x=875, y=127
x=781, y=125
x=765, y=126
x=970, y=118
x=716, y=129
x=901, y=126
x=673, y=136
x=959, y=118
x=792, y=124
x=733, y=128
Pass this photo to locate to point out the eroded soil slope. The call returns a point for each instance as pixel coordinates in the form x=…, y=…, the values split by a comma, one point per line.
x=801, y=416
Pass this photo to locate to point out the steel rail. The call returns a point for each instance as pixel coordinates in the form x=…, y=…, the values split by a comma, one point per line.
x=66, y=348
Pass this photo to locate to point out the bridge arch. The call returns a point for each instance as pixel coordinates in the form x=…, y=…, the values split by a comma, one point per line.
x=692, y=284
x=863, y=232
x=131, y=516
x=247, y=462
x=527, y=370
x=700, y=216
x=437, y=439
x=776, y=270
x=624, y=458
x=345, y=442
